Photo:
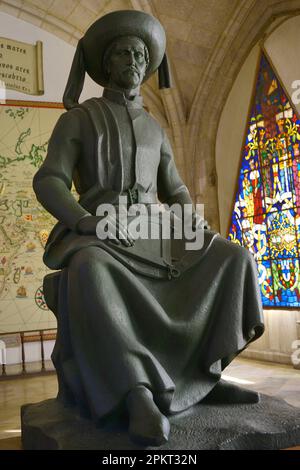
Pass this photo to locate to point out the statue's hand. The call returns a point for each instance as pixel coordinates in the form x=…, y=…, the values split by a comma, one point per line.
x=114, y=230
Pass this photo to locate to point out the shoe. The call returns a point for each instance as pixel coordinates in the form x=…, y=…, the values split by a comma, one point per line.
x=147, y=425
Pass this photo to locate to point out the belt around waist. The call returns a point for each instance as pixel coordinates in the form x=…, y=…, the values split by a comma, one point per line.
x=135, y=196
x=93, y=197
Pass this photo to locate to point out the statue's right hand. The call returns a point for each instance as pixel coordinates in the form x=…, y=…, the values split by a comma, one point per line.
x=115, y=231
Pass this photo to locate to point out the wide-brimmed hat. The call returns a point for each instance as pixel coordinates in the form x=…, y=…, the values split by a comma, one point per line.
x=92, y=47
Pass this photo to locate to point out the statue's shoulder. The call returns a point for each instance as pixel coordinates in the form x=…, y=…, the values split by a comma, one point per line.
x=79, y=115
x=93, y=107
x=68, y=124
x=74, y=114
x=86, y=106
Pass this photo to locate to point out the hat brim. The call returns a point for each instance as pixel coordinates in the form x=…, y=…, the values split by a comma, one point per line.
x=117, y=24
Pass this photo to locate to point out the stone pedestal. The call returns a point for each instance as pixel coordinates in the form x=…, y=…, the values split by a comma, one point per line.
x=270, y=424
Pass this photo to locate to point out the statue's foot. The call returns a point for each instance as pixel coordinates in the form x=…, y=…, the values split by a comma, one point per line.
x=147, y=425
x=225, y=392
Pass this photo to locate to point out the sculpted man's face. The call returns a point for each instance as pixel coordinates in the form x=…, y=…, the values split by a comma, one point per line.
x=127, y=63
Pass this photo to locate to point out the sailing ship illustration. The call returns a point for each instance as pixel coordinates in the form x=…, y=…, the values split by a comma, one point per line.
x=21, y=292
x=43, y=236
x=31, y=246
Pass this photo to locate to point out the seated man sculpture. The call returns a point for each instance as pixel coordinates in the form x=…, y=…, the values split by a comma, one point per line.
x=143, y=325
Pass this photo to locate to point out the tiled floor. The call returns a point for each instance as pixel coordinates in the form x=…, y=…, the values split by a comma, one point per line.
x=271, y=379
x=16, y=392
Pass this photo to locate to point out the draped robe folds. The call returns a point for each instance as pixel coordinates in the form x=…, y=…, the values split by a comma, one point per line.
x=123, y=321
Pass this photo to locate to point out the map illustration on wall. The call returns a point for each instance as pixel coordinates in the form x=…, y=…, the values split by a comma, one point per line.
x=24, y=224
x=266, y=215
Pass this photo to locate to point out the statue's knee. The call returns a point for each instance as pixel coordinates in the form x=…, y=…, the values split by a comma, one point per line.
x=86, y=262
x=83, y=256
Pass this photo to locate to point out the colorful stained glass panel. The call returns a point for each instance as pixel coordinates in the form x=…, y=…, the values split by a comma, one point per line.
x=249, y=197
x=278, y=186
x=266, y=216
x=265, y=280
x=286, y=282
x=255, y=238
x=235, y=231
x=250, y=151
x=282, y=237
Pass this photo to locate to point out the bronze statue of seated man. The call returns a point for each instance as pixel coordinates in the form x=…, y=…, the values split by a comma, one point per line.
x=144, y=326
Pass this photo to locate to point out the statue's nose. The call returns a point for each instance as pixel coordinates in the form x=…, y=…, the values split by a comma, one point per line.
x=131, y=58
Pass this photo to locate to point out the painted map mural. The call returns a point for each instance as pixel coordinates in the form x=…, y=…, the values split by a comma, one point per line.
x=24, y=224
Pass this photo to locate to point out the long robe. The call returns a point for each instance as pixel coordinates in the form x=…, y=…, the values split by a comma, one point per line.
x=123, y=321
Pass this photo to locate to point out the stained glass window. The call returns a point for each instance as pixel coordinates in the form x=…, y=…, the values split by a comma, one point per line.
x=266, y=214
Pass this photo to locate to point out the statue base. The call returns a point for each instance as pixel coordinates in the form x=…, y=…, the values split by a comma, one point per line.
x=269, y=424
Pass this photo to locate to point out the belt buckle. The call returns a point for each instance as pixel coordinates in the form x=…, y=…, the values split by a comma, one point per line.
x=133, y=196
